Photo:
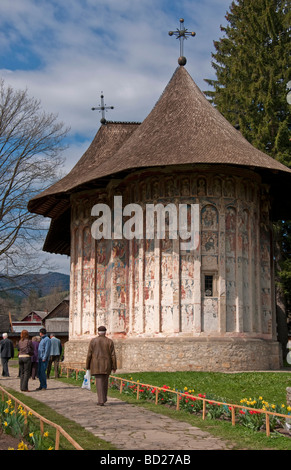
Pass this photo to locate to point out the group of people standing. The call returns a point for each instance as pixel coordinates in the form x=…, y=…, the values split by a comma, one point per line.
x=35, y=357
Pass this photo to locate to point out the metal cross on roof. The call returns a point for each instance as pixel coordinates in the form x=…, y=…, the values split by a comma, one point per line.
x=103, y=108
x=182, y=34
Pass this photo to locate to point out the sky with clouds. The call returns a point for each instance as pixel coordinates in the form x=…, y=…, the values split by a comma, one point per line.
x=66, y=52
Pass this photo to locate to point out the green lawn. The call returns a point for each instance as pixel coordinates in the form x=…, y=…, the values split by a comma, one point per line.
x=230, y=387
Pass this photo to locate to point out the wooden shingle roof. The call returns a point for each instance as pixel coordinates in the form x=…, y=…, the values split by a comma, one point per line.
x=183, y=128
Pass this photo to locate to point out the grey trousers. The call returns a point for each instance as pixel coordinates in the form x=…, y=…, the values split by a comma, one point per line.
x=101, y=387
x=5, y=371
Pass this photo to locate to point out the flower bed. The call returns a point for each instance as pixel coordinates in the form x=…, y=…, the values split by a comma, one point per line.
x=20, y=424
x=255, y=414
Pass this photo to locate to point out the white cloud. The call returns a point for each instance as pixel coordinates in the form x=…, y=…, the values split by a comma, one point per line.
x=120, y=48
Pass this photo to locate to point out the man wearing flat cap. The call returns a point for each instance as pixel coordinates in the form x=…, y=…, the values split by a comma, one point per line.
x=101, y=360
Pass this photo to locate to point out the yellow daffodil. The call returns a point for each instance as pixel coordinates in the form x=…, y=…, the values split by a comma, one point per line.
x=22, y=446
x=45, y=434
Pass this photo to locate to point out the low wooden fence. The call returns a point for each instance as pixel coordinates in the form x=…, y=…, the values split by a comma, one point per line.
x=233, y=408
x=78, y=367
x=42, y=420
x=72, y=366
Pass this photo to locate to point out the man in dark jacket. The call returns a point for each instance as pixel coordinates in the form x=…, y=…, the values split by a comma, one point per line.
x=7, y=352
x=101, y=360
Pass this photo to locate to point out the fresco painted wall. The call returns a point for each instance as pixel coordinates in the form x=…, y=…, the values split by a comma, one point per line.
x=152, y=288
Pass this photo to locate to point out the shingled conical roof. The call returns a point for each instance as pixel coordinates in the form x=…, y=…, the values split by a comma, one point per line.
x=182, y=128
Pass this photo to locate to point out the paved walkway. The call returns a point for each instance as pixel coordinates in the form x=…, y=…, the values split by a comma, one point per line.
x=126, y=426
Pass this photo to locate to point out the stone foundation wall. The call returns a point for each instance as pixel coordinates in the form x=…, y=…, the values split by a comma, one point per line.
x=184, y=354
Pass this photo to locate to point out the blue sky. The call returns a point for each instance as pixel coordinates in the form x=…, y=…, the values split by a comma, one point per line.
x=65, y=52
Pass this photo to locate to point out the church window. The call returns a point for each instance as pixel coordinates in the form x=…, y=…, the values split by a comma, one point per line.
x=208, y=285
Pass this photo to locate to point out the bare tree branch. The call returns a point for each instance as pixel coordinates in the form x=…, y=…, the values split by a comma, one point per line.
x=31, y=144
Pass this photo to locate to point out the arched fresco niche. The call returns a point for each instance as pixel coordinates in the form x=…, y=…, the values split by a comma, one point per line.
x=103, y=288
x=244, y=244
x=76, y=258
x=88, y=277
x=187, y=283
x=118, y=272
x=230, y=268
x=209, y=263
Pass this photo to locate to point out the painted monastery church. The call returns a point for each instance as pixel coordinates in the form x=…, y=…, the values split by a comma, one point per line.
x=167, y=308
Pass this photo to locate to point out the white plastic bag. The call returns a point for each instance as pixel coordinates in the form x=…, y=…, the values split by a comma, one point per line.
x=87, y=380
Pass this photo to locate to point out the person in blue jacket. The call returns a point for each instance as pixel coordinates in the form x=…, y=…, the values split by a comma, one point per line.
x=44, y=351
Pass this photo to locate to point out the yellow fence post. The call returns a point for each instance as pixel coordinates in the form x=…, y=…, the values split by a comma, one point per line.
x=41, y=426
x=178, y=402
x=204, y=409
x=57, y=443
x=157, y=395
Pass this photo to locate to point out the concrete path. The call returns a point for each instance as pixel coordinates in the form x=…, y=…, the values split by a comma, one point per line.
x=126, y=426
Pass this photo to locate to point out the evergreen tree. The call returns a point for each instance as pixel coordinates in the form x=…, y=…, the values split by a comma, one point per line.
x=252, y=65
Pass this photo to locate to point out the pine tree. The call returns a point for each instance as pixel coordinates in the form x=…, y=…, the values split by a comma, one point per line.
x=252, y=64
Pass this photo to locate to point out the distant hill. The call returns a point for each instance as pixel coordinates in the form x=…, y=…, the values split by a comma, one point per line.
x=43, y=284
